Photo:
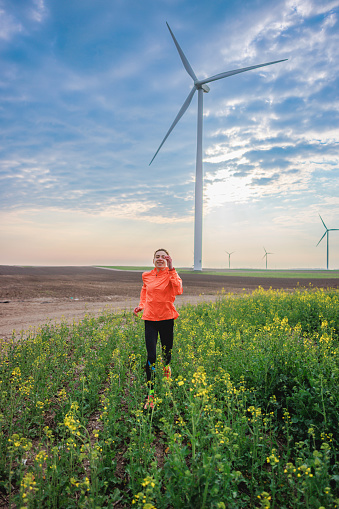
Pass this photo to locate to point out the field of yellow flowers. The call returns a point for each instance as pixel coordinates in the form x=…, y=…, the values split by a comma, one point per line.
x=249, y=419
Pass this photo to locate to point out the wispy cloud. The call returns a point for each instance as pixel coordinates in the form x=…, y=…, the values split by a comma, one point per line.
x=9, y=26
x=38, y=10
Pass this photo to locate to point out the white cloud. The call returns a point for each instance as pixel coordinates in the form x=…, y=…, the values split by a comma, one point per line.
x=38, y=11
x=29, y=175
x=142, y=211
x=307, y=8
x=9, y=26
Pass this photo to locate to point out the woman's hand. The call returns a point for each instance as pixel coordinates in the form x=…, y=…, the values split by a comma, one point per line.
x=137, y=310
x=169, y=262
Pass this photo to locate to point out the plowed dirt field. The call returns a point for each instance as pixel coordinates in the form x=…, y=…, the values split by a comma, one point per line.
x=31, y=296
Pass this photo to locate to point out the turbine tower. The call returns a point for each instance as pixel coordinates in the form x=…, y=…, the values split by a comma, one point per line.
x=229, y=258
x=200, y=86
x=265, y=256
x=326, y=233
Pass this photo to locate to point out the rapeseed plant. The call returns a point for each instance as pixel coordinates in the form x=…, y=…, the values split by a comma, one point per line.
x=249, y=418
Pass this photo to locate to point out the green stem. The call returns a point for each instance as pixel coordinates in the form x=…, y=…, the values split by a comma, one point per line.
x=322, y=399
x=10, y=481
x=193, y=438
x=206, y=490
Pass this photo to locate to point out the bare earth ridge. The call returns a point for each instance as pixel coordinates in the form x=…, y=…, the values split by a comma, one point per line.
x=32, y=296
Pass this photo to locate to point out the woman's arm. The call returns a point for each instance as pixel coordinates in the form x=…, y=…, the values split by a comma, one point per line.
x=176, y=282
x=142, y=301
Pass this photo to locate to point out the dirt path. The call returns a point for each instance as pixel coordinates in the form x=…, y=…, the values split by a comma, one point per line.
x=32, y=313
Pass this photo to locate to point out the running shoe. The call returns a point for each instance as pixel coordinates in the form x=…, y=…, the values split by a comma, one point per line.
x=167, y=372
x=149, y=402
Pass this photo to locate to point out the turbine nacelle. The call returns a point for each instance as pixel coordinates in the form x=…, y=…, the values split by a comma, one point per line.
x=205, y=87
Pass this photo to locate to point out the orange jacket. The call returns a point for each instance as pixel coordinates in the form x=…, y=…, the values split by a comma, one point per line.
x=158, y=294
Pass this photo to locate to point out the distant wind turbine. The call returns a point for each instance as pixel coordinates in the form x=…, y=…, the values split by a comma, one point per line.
x=201, y=86
x=265, y=256
x=326, y=233
x=229, y=258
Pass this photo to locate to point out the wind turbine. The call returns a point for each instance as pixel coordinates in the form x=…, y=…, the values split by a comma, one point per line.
x=229, y=258
x=326, y=233
x=201, y=86
x=265, y=256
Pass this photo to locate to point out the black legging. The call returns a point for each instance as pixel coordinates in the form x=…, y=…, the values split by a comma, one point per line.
x=165, y=330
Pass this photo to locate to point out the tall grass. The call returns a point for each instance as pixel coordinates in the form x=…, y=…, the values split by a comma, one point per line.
x=248, y=420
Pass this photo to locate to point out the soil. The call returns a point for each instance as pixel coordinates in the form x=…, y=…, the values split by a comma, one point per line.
x=32, y=296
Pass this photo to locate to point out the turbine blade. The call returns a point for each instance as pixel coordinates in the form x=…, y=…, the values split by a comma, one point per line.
x=323, y=222
x=321, y=238
x=333, y=229
x=176, y=120
x=236, y=71
x=182, y=56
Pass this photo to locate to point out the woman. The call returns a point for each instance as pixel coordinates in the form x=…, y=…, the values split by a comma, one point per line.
x=160, y=287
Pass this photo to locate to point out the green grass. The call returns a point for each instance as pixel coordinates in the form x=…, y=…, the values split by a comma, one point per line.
x=127, y=267
x=307, y=274
x=295, y=274
x=249, y=420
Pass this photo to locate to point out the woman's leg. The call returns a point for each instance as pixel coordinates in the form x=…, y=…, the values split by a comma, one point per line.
x=151, y=338
x=166, y=328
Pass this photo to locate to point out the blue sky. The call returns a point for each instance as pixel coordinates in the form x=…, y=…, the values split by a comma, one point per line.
x=88, y=91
